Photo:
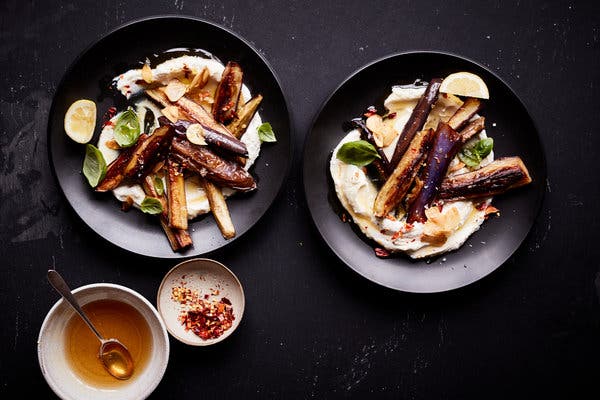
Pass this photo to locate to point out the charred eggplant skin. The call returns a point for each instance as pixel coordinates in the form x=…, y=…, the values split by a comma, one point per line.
x=245, y=114
x=215, y=139
x=446, y=144
x=395, y=188
x=114, y=173
x=228, y=93
x=204, y=161
x=417, y=120
x=148, y=152
x=495, y=178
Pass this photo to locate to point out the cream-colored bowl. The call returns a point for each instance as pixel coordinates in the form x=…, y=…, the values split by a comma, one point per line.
x=52, y=355
x=204, y=276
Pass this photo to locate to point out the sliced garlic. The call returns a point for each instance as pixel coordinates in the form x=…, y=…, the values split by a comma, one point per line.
x=383, y=133
x=147, y=73
x=199, y=81
x=195, y=134
x=171, y=112
x=175, y=90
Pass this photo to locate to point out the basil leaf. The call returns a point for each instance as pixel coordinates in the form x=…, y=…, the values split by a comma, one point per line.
x=151, y=205
x=484, y=147
x=265, y=133
x=159, y=186
x=470, y=158
x=94, y=165
x=473, y=155
x=127, y=128
x=359, y=153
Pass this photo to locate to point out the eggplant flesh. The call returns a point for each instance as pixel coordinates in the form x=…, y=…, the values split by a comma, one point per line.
x=245, y=114
x=417, y=119
x=148, y=152
x=495, y=178
x=472, y=129
x=397, y=185
x=202, y=160
x=446, y=144
x=462, y=116
x=114, y=173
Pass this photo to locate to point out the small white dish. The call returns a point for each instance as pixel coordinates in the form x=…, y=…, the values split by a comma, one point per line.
x=52, y=354
x=207, y=278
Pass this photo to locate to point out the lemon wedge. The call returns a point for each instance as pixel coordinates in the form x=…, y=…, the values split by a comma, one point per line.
x=465, y=84
x=80, y=120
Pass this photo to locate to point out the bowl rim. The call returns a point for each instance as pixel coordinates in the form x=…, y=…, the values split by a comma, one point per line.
x=56, y=385
x=239, y=313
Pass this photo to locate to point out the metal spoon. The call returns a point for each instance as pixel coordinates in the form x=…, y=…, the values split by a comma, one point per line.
x=114, y=355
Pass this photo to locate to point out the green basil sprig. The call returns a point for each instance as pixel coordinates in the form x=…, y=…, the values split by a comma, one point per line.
x=151, y=205
x=159, y=185
x=94, y=165
x=473, y=155
x=359, y=153
x=127, y=128
x=265, y=133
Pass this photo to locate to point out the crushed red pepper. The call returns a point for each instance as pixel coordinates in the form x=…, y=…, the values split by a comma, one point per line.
x=207, y=319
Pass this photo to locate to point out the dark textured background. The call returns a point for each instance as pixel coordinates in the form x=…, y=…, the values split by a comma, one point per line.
x=312, y=328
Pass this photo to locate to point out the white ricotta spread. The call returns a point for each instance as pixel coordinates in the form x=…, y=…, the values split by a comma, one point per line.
x=130, y=84
x=357, y=192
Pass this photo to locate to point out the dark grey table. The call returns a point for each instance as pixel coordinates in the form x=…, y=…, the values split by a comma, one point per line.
x=313, y=328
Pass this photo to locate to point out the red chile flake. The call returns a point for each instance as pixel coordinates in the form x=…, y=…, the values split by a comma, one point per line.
x=111, y=112
x=381, y=253
x=207, y=319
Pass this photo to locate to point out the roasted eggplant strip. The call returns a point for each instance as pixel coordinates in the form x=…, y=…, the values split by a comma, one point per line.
x=176, y=195
x=159, y=96
x=228, y=92
x=472, y=129
x=446, y=144
x=179, y=239
x=397, y=185
x=206, y=163
x=215, y=134
x=244, y=115
x=469, y=108
x=219, y=208
x=495, y=178
x=417, y=119
x=114, y=172
x=379, y=167
x=213, y=138
x=148, y=151
x=200, y=115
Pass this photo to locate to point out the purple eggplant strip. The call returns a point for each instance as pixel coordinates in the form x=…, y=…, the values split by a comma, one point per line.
x=446, y=144
x=216, y=140
x=417, y=120
x=205, y=162
x=495, y=178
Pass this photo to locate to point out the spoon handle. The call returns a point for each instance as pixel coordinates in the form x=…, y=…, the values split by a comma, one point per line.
x=61, y=287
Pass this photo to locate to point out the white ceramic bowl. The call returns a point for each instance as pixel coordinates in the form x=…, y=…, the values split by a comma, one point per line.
x=52, y=355
x=203, y=275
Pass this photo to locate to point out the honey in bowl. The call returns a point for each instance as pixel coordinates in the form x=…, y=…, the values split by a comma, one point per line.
x=113, y=319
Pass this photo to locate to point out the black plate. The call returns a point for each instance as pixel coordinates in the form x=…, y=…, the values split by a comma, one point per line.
x=514, y=133
x=89, y=77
